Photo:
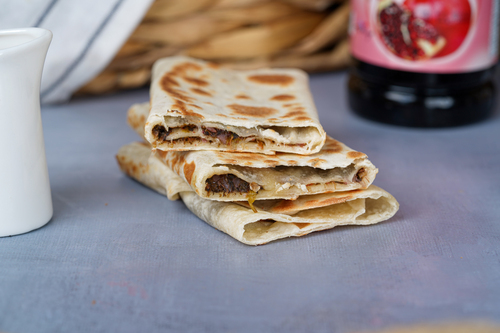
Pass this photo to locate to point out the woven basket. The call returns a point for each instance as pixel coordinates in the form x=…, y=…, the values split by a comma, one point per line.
x=242, y=34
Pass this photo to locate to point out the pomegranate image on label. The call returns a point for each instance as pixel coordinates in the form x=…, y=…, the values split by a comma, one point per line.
x=423, y=29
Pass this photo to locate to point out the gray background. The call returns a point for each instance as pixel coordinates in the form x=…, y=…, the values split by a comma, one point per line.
x=119, y=257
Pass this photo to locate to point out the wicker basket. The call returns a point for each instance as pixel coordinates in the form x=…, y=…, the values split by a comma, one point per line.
x=243, y=34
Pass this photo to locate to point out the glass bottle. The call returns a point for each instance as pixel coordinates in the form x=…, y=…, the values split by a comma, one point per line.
x=423, y=63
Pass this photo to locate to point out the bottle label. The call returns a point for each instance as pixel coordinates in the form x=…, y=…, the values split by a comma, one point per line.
x=432, y=36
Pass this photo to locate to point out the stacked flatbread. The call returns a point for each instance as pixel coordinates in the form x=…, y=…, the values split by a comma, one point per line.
x=246, y=153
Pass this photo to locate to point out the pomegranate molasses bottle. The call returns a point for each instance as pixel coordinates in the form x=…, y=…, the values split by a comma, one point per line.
x=423, y=63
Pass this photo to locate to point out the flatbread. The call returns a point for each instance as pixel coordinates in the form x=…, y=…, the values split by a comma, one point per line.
x=195, y=105
x=369, y=206
x=134, y=160
x=226, y=176
x=274, y=219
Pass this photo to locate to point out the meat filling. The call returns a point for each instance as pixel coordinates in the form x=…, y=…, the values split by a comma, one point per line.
x=189, y=128
x=161, y=132
x=228, y=183
x=224, y=136
x=359, y=175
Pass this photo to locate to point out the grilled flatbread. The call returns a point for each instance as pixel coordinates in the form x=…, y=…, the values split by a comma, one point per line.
x=273, y=219
x=197, y=106
x=134, y=160
x=226, y=176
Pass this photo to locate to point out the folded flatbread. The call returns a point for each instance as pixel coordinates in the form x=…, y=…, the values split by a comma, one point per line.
x=134, y=160
x=274, y=219
x=197, y=106
x=226, y=176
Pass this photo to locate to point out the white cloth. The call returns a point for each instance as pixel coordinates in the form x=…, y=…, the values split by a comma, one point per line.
x=87, y=35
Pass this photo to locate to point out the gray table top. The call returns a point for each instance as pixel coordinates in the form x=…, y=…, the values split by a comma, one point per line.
x=119, y=257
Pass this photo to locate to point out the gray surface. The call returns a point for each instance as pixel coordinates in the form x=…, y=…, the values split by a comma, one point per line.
x=120, y=257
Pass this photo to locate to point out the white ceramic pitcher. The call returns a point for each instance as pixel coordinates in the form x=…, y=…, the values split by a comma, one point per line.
x=25, y=198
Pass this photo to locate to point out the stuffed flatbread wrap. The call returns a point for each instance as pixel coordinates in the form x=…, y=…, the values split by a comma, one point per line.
x=197, y=106
x=226, y=176
x=273, y=219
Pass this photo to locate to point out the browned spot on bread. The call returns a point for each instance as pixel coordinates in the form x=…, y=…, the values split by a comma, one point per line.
x=186, y=66
x=168, y=81
x=209, y=103
x=195, y=106
x=355, y=154
x=316, y=161
x=331, y=146
x=221, y=115
x=282, y=80
x=171, y=86
x=331, y=150
x=174, y=159
x=213, y=65
x=191, y=113
x=282, y=98
x=272, y=163
x=189, y=170
x=295, y=114
x=302, y=118
x=252, y=111
x=201, y=91
x=161, y=154
x=285, y=206
x=195, y=81
x=242, y=96
x=181, y=106
x=302, y=225
x=292, y=162
x=288, y=105
x=179, y=94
